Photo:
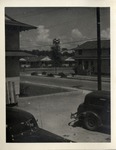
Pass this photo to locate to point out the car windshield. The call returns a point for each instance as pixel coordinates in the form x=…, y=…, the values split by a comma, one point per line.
x=22, y=127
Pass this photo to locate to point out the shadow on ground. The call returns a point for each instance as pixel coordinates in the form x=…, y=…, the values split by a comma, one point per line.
x=79, y=123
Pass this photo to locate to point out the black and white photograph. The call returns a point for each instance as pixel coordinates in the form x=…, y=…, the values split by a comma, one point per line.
x=57, y=70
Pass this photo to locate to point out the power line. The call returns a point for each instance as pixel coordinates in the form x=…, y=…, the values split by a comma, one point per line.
x=69, y=42
x=84, y=40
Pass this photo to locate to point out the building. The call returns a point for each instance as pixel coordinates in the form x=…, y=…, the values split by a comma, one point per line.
x=46, y=61
x=86, y=57
x=13, y=54
x=29, y=62
x=35, y=62
x=68, y=62
x=24, y=63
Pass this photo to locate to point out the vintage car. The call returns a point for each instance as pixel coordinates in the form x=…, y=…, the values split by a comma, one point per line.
x=94, y=112
x=21, y=126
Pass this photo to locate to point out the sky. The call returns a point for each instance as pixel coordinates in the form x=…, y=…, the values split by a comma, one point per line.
x=72, y=25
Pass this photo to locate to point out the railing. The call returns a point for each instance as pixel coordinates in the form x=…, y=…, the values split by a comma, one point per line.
x=10, y=93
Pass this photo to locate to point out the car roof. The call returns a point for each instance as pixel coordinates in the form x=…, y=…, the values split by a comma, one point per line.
x=16, y=115
x=98, y=95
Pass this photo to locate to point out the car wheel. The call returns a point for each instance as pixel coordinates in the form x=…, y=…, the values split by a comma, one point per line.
x=91, y=122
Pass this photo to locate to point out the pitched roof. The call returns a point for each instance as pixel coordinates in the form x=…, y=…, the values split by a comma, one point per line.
x=22, y=59
x=47, y=58
x=18, y=53
x=69, y=59
x=93, y=45
x=16, y=24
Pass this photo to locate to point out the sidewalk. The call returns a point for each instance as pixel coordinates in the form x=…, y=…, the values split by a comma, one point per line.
x=78, y=77
x=91, y=78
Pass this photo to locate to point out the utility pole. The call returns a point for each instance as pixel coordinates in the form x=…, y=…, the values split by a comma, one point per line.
x=56, y=56
x=98, y=50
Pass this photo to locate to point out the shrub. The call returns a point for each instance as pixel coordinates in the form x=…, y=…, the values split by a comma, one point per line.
x=72, y=74
x=79, y=71
x=50, y=75
x=82, y=72
x=62, y=75
x=34, y=73
x=44, y=73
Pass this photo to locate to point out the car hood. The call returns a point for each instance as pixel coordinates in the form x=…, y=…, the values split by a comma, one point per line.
x=15, y=115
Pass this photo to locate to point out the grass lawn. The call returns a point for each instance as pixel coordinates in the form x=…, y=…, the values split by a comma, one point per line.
x=27, y=89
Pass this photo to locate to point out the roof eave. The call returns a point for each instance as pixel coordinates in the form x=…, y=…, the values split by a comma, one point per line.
x=17, y=24
x=17, y=54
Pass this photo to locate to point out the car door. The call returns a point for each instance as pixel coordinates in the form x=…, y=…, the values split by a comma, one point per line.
x=106, y=113
x=108, y=118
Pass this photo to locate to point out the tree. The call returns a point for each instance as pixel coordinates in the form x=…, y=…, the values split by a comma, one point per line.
x=55, y=54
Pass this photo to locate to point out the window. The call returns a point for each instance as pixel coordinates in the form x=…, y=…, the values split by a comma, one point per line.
x=91, y=62
x=80, y=62
x=86, y=64
x=80, y=52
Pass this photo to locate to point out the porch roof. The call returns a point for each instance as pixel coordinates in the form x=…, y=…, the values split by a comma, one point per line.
x=17, y=54
x=16, y=24
x=70, y=59
x=47, y=58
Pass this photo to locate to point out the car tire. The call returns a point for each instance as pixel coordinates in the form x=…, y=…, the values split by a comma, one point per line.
x=91, y=122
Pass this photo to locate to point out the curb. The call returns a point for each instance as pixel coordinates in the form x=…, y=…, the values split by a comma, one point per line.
x=57, y=94
x=90, y=78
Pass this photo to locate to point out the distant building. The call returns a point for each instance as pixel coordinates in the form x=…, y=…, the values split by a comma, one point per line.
x=24, y=63
x=35, y=62
x=29, y=62
x=68, y=62
x=46, y=61
x=13, y=54
x=86, y=57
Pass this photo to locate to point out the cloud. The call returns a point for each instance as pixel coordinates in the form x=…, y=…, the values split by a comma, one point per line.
x=105, y=33
x=28, y=40
x=36, y=39
x=77, y=35
x=43, y=35
x=40, y=39
x=73, y=40
x=65, y=41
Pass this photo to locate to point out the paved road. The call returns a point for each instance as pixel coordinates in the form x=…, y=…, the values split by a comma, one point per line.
x=81, y=84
